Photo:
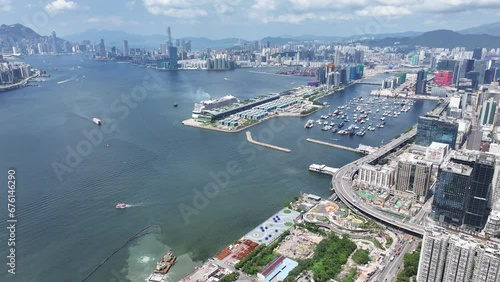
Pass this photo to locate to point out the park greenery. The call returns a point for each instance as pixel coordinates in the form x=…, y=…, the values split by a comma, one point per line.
x=309, y=111
x=383, y=161
x=410, y=267
x=361, y=256
x=376, y=243
x=230, y=277
x=370, y=224
x=351, y=276
x=248, y=122
x=312, y=227
x=388, y=241
x=329, y=257
x=259, y=257
x=287, y=204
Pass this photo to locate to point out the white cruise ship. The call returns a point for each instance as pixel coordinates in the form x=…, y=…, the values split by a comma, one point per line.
x=213, y=104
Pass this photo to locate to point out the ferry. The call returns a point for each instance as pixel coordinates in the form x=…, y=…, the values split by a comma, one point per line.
x=212, y=104
x=121, y=205
x=97, y=121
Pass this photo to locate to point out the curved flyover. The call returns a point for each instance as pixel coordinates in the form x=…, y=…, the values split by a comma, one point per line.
x=342, y=184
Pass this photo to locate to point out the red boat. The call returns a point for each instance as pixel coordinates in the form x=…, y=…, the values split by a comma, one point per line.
x=121, y=205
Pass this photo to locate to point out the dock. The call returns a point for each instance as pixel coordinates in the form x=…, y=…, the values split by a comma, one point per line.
x=323, y=169
x=333, y=145
x=250, y=139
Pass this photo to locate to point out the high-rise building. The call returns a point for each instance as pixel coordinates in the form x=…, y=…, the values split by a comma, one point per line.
x=447, y=256
x=444, y=78
x=432, y=256
x=413, y=176
x=463, y=189
x=488, y=112
x=54, y=46
x=421, y=86
x=102, y=49
x=376, y=176
x=450, y=193
x=430, y=129
x=172, y=53
x=477, y=53
x=163, y=49
x=337, y=58
x=126, y=51
x=436, y=152
x=359, y=56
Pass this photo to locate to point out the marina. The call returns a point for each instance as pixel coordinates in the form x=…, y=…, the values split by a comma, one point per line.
x=250, y=139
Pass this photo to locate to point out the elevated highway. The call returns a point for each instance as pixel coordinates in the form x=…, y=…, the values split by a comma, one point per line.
x=342, y=184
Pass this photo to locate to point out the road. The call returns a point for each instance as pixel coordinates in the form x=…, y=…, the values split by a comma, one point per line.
x=392, y=268
x=342, y=184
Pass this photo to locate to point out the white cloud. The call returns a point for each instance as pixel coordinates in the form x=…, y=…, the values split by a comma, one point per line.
x=182, y=9
x=115, y=21
x=226, y=8
x=58, y=6
x=383, y=11
x=5, y=5
x=298, y=11
x=130, y=5
x=458, y=5
x=92, y=20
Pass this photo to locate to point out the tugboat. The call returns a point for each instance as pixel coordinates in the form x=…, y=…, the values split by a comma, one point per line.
x=121, y=205
x=162, y=267
x=97, y=121
x=165, y=263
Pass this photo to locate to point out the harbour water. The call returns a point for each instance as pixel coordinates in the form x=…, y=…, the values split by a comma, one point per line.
x=204, y=189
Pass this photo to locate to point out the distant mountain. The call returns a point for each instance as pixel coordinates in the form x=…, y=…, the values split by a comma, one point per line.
x=384, y=35
x=11, y=34
x=442, y=38
x=14, y=33
x=490, y=29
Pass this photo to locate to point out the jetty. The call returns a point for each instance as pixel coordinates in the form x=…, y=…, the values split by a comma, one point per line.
x=333, y=145
x=323, y=169
x=250, y=139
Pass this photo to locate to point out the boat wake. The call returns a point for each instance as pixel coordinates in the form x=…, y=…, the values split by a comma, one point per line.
x=135, y=205
x=64, y=81
x=144, y=259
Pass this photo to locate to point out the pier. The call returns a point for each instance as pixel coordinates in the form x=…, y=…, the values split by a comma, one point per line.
x=250, y=139
x=323, y=169
x=333, y=145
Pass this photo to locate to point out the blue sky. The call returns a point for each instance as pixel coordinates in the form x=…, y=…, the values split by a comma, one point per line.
x=248, y=19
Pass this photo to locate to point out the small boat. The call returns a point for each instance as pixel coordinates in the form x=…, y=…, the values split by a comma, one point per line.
x=97, y=121
x=175, y=105
x=121, y=205
x=309, y=124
